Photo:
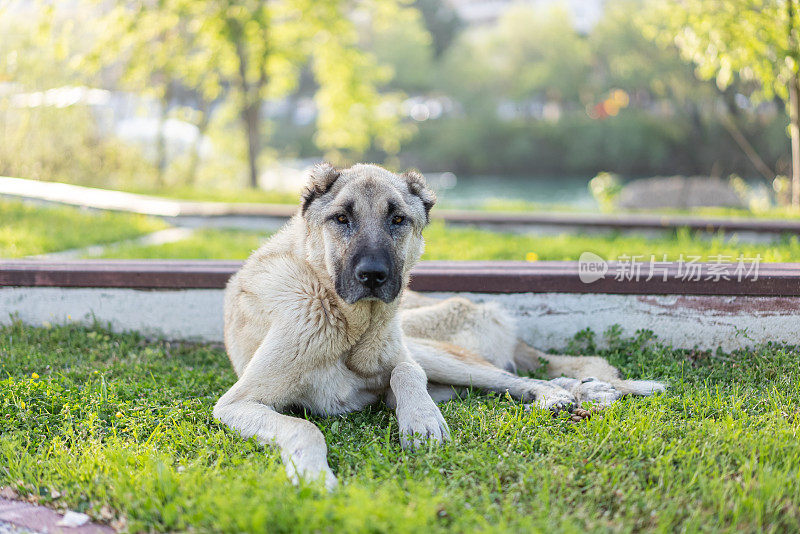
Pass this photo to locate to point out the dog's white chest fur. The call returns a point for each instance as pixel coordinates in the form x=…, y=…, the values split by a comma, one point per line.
x=360, y=375
x=335, y=389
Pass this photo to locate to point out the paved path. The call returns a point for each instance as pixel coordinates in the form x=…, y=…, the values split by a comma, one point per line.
x=10, y=528
x=105, y=199
x=21, y=517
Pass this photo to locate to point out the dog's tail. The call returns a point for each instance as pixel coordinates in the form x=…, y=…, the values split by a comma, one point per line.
x=638, y=387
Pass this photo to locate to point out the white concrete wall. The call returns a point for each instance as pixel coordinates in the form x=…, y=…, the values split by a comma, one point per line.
x=546, y=320
x=194, y=314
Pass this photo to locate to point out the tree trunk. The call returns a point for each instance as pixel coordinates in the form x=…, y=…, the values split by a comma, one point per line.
x=161, y=141
x=251, y=111
x=794, y=130
x=251, y=116
x=763, y=169
x=194, y=157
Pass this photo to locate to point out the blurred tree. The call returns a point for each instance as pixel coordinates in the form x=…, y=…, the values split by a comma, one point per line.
x=442, y=22
x=401, y=41
x=755, y=41
x=153, y=48
x=531, y=55
x=256, y=49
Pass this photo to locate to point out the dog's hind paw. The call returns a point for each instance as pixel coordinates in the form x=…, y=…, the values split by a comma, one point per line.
x=596, y=392
x=548, y=396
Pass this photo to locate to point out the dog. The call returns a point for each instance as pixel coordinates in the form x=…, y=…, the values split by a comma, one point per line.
x=319, y=318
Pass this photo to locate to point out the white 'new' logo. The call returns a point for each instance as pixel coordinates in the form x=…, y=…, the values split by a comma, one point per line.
x=591, y=267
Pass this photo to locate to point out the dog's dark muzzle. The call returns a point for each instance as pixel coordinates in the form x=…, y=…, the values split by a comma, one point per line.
x=372, y=271
x=372, y=274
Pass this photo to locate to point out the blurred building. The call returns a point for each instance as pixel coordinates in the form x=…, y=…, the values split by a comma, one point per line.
x=585, y=13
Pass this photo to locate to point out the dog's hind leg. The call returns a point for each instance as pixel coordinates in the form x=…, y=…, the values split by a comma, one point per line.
x=488, y=331
x=450, y=365
x=484, y=329
x=588, y=377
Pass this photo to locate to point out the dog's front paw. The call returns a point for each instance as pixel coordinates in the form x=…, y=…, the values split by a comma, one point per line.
x=420, y=424
x=310, y=470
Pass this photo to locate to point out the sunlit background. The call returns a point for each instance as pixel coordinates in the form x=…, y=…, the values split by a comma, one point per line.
x=505, y=105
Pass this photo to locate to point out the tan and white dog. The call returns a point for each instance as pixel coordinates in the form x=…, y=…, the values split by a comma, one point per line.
x=318, y=318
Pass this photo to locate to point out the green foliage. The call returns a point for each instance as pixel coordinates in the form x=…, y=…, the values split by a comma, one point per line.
x=245, y=52
x=122, y=429
x=633, y=143
x=529, y=52
x=65, y=145
x=399, y=39
x=754, y=41
x=605, y=187
x=27, y=229
x=532, y=57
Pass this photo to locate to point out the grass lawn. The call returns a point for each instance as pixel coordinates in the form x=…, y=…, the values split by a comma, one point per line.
x=28, y=229
x=445, y=242
x=206, y=243
x=454, y=243
x=121, y=428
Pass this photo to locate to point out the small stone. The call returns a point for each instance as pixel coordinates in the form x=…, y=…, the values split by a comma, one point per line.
x=73, y=519
x=106, y=514
x=9, y=493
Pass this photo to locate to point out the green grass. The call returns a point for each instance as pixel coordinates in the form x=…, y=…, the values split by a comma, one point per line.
x=121, y=428
x=207, y=243
x=453, y=243
x=518, y=205
x=29, y=229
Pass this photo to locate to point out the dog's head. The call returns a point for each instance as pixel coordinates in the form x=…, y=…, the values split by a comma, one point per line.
x=365, y=224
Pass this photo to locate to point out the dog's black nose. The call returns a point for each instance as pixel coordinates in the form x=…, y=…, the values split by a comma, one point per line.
x=372, y=272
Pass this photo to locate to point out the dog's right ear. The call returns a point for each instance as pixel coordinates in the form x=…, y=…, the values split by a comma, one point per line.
x=323, y=176
x=419, y=187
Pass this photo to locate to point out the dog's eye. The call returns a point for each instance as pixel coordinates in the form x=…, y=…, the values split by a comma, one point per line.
x=342, y=219
x=398, y=219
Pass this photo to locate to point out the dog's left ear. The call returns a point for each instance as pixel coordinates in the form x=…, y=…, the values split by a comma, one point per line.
x=419, y=187
x=322, y=178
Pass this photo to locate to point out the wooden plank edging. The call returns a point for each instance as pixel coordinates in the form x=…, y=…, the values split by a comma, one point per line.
x=672, y=278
